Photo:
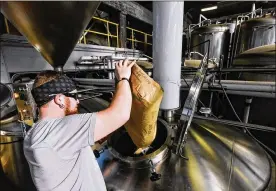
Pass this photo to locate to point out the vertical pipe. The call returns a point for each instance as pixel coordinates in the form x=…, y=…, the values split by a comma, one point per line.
x=108, y=40
x=248, y=102
x=253, y=10
x=232, y=27
x=123, y=30
x=169, y=115
x=167, y=49
x=113, y=67
x=117, y=35
x=109, y=66
x=59, y=69
x=132, y=39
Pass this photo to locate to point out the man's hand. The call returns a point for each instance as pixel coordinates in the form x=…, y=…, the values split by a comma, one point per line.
x=123, y=69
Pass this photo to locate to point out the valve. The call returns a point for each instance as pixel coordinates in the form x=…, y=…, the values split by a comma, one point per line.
x=154, y=176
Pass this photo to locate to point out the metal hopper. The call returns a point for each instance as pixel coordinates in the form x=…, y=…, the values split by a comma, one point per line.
x=53, y=28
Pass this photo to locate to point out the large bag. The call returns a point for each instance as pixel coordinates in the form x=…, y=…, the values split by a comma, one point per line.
x=146, y=98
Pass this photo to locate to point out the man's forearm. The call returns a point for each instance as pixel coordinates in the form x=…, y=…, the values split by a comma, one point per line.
x=122, y=99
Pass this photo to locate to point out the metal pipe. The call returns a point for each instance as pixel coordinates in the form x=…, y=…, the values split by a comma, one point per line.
x=248, y=102
x=109, y=65
x=233, y=70
x=263, y=83
x=244, y=87
x=167, y=49
x=236, y=85
x=237, y=124
x=59, y=69
x=243, y=93
x=253, y=10
x=168, y=115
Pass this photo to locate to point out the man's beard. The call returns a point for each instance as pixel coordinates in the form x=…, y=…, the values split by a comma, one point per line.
x=69, y=111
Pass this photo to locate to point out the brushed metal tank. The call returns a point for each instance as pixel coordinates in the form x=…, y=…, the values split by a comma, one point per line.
x=221, y=157
x=53, y=28
x=254, y=46
x=12, y=159
x=254, y=33
x=219, y=36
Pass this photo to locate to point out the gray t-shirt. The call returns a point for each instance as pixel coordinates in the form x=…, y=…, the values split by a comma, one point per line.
x=59, y=154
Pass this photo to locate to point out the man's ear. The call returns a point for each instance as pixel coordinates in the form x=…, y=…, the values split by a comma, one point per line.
x=60, y=100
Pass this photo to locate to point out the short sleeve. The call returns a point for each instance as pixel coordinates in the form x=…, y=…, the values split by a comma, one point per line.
x=74, y=132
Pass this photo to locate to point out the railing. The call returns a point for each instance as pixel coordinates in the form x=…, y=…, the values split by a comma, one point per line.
x=132, y=39
x=108, y=34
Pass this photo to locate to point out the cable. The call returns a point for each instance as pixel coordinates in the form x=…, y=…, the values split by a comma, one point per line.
x=230, y=103
x=245, y=128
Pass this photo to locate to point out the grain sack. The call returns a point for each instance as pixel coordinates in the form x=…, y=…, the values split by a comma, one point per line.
x=146, y=98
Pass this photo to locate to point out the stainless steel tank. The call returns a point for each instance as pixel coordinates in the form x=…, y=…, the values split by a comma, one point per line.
x=254, y=46
x=12, y=159
x=219, y=36
x=220, y=157
x=255, y=33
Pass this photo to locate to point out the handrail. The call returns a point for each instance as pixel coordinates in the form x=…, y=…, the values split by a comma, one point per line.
x=132, y=39
x=109, y=35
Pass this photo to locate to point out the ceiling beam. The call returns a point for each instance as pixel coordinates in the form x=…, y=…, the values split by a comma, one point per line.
x=132, y=9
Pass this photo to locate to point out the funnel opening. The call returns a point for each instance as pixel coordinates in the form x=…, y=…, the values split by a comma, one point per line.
x=122, y=147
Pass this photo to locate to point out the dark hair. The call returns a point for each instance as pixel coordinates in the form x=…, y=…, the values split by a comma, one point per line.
x=44, y=77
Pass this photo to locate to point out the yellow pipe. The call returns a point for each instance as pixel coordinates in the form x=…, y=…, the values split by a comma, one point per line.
x=7, y=26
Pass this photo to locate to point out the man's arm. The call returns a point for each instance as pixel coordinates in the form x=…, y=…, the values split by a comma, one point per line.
x=118, y=113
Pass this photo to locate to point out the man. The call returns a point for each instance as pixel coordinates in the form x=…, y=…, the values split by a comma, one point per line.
x=57, y=147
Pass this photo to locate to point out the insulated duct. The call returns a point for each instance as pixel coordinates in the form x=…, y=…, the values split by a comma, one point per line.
x=167, y=49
